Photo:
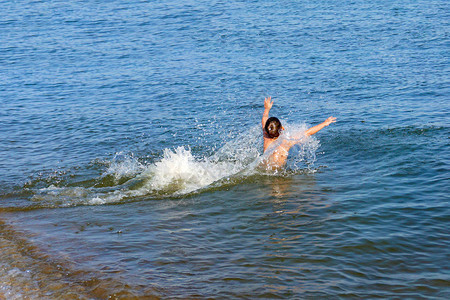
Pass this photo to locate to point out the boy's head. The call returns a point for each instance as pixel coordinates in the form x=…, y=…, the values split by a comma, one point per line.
x=273, y=127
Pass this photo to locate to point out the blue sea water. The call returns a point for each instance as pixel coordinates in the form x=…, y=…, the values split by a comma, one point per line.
x=130, y=131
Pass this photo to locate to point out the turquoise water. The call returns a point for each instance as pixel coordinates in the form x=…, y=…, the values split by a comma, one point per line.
x=131, y=131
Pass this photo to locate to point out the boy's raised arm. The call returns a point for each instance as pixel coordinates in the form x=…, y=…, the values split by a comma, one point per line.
x=317, y=128
x=267, y=106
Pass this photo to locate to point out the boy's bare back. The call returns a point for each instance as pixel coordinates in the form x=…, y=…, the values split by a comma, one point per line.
x=272, y=129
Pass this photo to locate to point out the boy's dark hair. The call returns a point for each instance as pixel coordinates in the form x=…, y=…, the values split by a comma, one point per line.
x=273, y=127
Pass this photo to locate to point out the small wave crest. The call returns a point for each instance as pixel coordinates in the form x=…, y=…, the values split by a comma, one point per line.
x=179, y=172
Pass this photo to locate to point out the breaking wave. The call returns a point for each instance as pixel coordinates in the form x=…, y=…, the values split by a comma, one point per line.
x=178, y=172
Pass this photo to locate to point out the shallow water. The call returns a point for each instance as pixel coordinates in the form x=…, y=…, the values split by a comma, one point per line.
x=130, y=142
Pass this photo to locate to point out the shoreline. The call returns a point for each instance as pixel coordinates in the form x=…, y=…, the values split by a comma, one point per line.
x=27, y=272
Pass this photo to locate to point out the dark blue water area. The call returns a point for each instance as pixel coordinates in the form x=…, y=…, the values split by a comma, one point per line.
x=96, y=98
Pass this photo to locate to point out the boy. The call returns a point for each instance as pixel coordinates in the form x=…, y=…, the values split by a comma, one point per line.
x=271, y=131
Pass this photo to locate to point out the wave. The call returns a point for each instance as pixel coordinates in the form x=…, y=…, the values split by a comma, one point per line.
x=178, y=172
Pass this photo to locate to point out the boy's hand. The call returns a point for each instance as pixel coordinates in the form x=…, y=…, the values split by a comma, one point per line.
x=329, y=121
x=267, y=103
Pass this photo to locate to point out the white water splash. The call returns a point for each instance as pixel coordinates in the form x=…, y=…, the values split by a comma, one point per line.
x=123, y=166
x=179, y=172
